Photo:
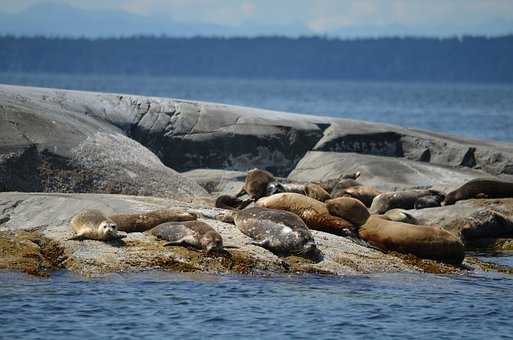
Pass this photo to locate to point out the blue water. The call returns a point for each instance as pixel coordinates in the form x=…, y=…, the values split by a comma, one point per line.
x=156, y=305
x=167, y=305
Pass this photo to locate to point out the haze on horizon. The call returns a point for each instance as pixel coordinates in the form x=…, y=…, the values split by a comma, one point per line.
x=335, y=18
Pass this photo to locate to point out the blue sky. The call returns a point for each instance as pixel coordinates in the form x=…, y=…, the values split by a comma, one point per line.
x=332, y=17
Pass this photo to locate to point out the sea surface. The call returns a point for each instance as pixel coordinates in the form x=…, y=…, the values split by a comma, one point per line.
x=155, y=305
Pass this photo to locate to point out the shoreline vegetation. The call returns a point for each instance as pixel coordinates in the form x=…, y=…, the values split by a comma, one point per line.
x=459, y=59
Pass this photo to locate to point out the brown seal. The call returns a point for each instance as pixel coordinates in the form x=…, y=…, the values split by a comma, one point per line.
x=349, y=209
x=278, y=231
x=317, y=192
x=314, y=213
x=94, y=225
x=363, y=193
x=398, y=199
x=480, y=188
x=256, y=184
x=196, y=234
x=145, y=221
x=428, y=242
x=231, y=202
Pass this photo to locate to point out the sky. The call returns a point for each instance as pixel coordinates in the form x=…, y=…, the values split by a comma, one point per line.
x=331, y=17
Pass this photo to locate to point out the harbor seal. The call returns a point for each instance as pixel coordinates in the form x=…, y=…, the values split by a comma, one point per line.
x=399, y=215
x=480, y=188
x=314, y=213
x=255, y=184
x=349, y=209
x=398, y=199
x=343, y=180
x=145, y=221
x=281, y=232
x=277, y=188
x=94, y=225
x=231, y=202
x=363, y=193
x=427, y=242
x=317, y=192
x=196, y=234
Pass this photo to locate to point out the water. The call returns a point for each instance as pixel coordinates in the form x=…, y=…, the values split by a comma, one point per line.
x=473, y=110
x=157, y=304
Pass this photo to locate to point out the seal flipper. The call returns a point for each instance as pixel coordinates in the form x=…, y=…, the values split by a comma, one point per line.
x=77, y=237
x=185, y=241
x=264, y=243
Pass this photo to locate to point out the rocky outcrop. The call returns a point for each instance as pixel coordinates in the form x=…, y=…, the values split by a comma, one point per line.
x=380, y=172
x=417, y=145
x=47, y=216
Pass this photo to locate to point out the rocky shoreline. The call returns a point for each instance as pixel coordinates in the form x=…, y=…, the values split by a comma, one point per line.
x=64, y=151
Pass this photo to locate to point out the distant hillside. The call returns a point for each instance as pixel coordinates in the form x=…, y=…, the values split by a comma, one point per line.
x=472, y=59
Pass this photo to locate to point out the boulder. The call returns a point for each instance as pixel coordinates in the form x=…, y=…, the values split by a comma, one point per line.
x=380, y=172
x=46, y=147
x=417, y=145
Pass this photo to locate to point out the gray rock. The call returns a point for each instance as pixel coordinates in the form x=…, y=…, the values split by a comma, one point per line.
x=418, y=145
x=50, y=214
x=46, y=147
x=217, y=181
x=380, y=172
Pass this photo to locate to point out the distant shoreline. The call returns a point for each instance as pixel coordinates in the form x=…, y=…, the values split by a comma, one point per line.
x=437, y=60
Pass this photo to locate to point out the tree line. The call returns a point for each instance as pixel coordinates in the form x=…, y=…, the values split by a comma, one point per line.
x=460, y=59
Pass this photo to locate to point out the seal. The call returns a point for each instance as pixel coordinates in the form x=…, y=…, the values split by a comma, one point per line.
x=314, y=213
x=231, y=202
x=196, y=234
x=398, y=199
x=94, y=225
x=349, y=209
x=131, y=223
x=342, y=181
x=429, y=202
x=480, y=188
x=427, y=242
x=315, y=191
x=399, y=215
x=363, y=193
x=277, y=188
x=255, y=184
x=281, y=232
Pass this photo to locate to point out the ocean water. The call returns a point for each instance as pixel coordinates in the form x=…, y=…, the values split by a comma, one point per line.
x=154, y=305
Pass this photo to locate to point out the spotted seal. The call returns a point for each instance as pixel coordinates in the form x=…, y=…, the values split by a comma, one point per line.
x=196, y=234
x=278, y=231
x=94, y=225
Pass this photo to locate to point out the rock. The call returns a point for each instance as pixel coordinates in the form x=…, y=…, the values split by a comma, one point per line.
x=46, y=147
x=217, y=181
x=48, y=215
x=480, y=223
x=417, y=145
x=380, y=172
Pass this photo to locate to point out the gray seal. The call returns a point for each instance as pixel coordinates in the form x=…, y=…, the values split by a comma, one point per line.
x=196, y=234
x=281, y=232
